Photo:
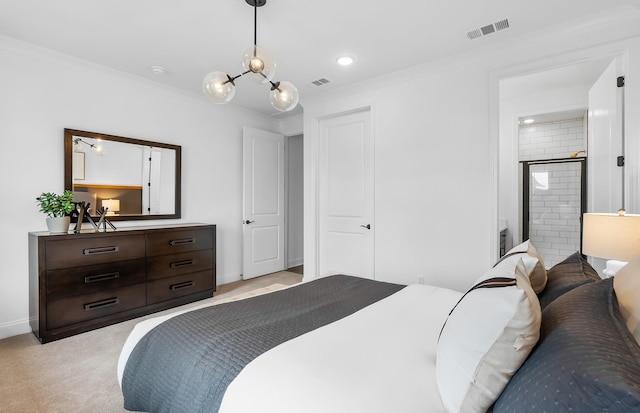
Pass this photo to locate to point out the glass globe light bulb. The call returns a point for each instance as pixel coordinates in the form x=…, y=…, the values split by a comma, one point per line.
x=260, y=63
x=285, y=97
x=256, y=64
x=217, y=88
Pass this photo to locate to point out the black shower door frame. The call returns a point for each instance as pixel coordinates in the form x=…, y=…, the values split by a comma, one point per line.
x=526, y=181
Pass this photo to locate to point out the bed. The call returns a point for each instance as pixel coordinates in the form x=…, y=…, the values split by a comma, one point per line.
x=522, y=339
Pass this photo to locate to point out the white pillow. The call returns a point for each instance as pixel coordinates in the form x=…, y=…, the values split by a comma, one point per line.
x=535, y=270
x=626, y=284
x=485, y=339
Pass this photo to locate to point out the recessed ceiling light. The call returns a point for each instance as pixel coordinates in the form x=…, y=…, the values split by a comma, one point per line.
x=345, y=60
x=528, y=121
x=158, y=70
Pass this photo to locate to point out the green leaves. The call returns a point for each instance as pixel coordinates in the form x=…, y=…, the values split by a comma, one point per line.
x=55, y=205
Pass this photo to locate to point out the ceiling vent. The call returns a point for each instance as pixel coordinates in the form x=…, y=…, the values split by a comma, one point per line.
x=321, y=82
x=488, y=29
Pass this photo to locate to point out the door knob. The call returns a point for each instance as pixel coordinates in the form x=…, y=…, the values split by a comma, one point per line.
x=248, y=222
x=368, y=226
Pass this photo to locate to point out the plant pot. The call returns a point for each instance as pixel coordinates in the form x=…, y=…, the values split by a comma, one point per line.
x=58, y=224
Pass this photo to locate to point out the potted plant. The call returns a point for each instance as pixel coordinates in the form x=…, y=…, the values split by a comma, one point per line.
x=57, y=207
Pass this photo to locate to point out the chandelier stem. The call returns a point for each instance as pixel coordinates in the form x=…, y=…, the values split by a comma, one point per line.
x=255, y=28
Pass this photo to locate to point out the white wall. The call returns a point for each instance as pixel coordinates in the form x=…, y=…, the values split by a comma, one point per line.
x=436, y=151
x=433, y=196
x=44, y=92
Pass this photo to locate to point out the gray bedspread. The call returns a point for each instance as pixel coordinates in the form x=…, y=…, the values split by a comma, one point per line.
x=186, y=363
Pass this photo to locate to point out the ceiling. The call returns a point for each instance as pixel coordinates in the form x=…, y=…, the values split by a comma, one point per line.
x=191, y=38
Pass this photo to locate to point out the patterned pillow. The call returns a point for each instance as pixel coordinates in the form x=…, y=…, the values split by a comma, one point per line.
x=536, y=271
x=586, y=360
x=573, y=272
x=487, y=336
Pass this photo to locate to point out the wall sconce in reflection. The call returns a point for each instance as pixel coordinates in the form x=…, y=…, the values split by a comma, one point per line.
x=97, y=149
x=112, y=205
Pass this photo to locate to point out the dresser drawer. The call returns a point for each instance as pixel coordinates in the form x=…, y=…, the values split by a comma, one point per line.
x=65, y=311
x=176, y=264
x=89, y=250
x=80, y=281
x=177, y=241
x=168, y=288
x=90, y=278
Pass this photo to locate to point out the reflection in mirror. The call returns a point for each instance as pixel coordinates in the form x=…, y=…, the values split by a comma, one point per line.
x=133, y=178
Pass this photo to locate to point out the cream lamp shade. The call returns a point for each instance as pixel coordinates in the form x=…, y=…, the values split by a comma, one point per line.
x=112, y=205
x=611, y=236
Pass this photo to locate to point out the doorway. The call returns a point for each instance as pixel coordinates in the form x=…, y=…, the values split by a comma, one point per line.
x=272, y=202
x=559, y=89
x=295, y=205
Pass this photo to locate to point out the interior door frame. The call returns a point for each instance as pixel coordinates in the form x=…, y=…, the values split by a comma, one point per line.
x=368, y=221
x=498, y=140
x=314, y=114
x=247, y=215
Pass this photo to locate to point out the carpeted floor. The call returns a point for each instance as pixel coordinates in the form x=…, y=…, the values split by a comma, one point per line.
x=78, y=374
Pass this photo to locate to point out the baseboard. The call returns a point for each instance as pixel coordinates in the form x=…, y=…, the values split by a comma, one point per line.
x=14, y=328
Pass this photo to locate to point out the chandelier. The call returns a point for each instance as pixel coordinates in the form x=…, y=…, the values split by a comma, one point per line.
x=259, y=66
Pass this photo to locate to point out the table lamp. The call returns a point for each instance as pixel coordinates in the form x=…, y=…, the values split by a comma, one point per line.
x=112, y=205
x=615, y=237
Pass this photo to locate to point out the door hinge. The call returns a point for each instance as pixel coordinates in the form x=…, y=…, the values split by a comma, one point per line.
x=620, y=81
x=620, y=161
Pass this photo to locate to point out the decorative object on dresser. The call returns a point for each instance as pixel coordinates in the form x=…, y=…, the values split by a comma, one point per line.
x=81, y=214
x=57, y=207
x=87, y=280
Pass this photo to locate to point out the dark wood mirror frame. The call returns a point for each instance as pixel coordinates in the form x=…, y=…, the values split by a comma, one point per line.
x=68, y=169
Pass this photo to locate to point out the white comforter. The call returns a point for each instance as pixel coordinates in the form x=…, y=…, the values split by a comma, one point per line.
x=380, y=359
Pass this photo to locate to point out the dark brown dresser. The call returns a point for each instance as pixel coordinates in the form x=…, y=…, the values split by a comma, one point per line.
x=80, y=282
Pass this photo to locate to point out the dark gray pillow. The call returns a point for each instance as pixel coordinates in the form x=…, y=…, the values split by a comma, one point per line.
x=573, y=272
x=586, y=360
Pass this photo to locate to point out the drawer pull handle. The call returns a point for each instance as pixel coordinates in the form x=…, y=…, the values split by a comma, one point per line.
x=180, y=286
x=182, y=241
x=101, y=304
x=179, y=264
x=100, y=250
x=101, y=277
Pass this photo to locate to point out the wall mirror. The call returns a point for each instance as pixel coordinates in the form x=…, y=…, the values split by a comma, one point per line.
x=135, y=179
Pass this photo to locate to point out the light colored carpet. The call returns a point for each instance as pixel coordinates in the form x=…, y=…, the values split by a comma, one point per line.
x=253, y=293
x=78, y=374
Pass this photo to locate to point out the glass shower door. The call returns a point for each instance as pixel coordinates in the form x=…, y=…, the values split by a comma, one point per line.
x=554, y=198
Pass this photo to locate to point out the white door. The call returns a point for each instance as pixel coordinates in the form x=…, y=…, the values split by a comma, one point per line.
x=604, y=193
x=346, y=227
x=263, y=203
